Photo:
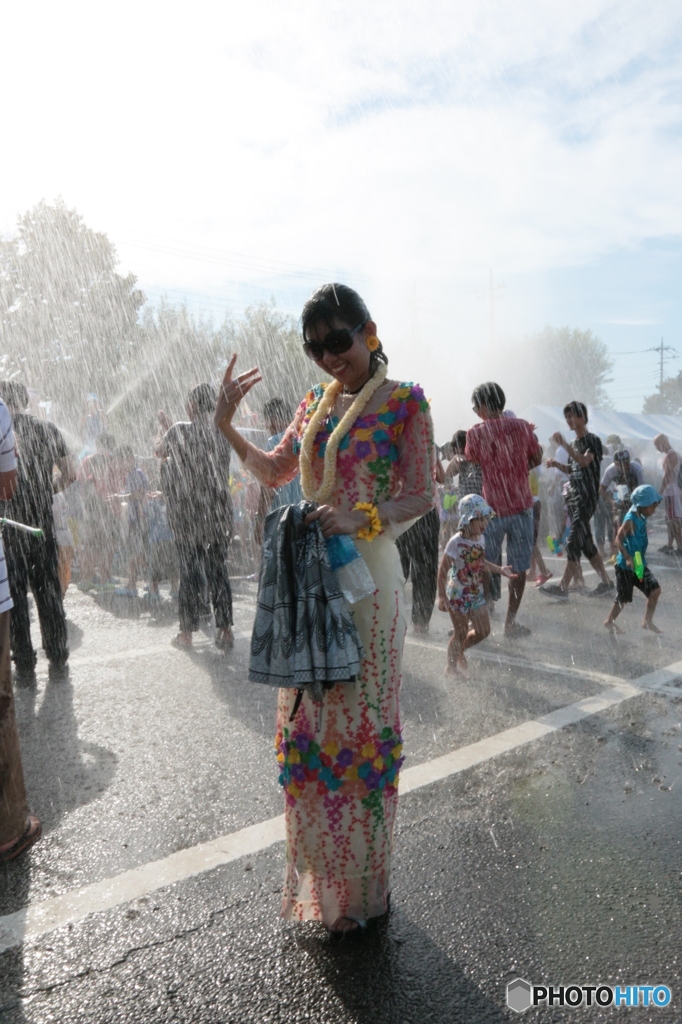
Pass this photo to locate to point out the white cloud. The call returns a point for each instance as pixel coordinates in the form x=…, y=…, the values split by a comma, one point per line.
x=412, y=145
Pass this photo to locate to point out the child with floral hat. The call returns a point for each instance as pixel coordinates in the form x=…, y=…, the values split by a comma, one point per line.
x=460, y=581
x=631, y=569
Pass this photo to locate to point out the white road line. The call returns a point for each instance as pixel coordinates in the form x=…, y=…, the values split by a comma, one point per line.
x=70, y=908
x=531, y=666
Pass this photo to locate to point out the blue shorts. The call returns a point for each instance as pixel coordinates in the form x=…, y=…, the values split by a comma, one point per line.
x=518, y=529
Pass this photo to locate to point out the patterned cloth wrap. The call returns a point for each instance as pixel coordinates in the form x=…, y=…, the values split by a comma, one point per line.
x=303, y=634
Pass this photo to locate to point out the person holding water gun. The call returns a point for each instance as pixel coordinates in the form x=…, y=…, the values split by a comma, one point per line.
x=631, y=568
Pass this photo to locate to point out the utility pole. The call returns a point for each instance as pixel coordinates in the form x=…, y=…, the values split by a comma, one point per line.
x=661, y=349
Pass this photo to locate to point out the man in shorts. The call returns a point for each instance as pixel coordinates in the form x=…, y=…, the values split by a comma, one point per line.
x=672, y=493
x=585, y=455
x=506, y=449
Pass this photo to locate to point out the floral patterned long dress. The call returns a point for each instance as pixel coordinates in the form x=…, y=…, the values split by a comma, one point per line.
x=339, y=759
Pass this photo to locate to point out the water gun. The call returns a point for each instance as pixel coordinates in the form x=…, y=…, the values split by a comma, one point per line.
x=638, y=564
x=554, y=546
x=33, y=530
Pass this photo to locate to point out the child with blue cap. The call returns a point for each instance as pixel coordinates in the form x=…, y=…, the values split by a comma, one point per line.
x=460, y=581
x=631, y=568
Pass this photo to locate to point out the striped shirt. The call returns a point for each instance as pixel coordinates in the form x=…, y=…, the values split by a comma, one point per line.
x=8, y=461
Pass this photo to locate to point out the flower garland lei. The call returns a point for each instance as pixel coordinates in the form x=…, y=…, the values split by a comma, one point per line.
x=326, y=404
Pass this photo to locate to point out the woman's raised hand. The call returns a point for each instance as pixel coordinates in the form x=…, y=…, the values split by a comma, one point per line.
x=231, y=393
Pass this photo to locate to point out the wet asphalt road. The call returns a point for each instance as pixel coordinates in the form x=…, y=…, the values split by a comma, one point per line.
x=560, y=861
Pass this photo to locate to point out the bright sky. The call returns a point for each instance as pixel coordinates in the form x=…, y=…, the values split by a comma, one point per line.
x=238, y=151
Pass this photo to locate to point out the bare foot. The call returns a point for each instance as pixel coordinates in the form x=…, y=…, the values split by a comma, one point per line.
x=455, y=672
x=652, y=628
x=224, y=638
x=613, y=628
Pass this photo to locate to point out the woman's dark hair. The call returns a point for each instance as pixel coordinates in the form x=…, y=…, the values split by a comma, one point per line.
x=489, y=395
x=459, y=440
x=339, y=302
x=576, y=409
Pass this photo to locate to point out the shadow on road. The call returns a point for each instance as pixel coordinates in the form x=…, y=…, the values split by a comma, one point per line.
x=18, y=875
x=395, y=972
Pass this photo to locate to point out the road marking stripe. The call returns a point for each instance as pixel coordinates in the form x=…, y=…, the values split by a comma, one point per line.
x=45, y=916
x=532, y=666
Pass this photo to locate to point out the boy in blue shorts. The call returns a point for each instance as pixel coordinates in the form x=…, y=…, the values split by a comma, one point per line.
x=632, y=540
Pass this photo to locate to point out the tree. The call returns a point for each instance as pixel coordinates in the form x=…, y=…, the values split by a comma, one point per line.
x=175, y=351
x=68, y=321
x=668, y=398
x=269, y=339
x=558, y=365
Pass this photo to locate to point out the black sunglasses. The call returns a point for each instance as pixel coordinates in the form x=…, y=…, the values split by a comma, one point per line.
x=336, y=342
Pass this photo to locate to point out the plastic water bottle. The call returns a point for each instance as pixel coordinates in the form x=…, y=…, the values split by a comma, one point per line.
x=355, y=579
x=638, y=563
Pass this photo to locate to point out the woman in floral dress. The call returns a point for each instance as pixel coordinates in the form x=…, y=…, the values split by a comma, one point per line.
x=364, y=447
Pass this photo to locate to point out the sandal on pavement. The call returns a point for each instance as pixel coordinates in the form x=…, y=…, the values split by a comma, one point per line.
x=28, y=837
x=181, y=643
x=343, y=933
x=516, y=630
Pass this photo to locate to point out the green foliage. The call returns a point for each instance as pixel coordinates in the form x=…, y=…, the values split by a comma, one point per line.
x=270, y=339
x=68, y=321
x=559, y=365
x=70, y=324
x=667, y=399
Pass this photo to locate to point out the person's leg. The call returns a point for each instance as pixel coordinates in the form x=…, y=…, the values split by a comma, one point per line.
x=65, y=560
x=480, y=626
x=625, y=585
x=457, y=663
x=516, y=589
x=14, y=815
x=589, y=549
x=610, y=621
x=494, y=536
x=425, y=570
x=189, y=594
x=574, y=543
x=652, y=591
x=519, y=549
x=44, y=580
x=220, y=591
x=600, y=517
x=16, y=556
x=677, y=533
x=651, y=602
x=598, y=564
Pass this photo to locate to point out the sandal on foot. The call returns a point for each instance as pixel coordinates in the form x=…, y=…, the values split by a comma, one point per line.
x=181, y=644
x=360, y=926
x=516, y=630
x=28, y=837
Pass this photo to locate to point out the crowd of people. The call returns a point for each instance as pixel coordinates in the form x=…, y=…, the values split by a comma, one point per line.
x=357, y=458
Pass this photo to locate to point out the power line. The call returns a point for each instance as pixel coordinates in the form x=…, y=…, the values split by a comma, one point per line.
x=662, y=349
